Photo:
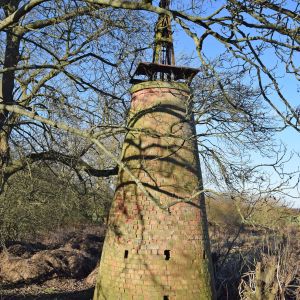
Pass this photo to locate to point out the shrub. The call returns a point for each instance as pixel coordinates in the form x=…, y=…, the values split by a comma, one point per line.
x=45, y=198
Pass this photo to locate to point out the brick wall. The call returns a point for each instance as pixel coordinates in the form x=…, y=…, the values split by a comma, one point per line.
x=152, y=252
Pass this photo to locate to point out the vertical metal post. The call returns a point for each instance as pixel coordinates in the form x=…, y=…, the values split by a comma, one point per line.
x=163, y=41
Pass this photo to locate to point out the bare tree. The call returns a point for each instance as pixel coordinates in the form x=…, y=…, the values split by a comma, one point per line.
x=71, y=61
x=66, y=65
x=67, y=62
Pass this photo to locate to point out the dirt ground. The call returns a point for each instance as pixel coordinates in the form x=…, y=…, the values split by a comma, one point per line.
x=59, y=265
x=63, y=264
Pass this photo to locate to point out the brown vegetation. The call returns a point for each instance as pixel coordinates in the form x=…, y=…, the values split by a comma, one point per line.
x=255, y=261
x=250, y=262
x=60, y=262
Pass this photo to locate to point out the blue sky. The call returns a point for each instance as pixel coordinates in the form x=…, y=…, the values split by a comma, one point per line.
x=288, y=84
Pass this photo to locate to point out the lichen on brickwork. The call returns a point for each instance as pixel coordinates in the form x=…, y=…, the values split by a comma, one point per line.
x=151, y=253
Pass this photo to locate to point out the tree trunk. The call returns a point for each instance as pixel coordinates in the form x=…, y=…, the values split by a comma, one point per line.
x=11, y=58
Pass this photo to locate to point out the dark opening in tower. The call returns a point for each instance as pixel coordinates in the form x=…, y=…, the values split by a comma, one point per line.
x=167, y=254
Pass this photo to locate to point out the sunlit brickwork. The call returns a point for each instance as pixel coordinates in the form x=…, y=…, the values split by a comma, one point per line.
x=151, y=251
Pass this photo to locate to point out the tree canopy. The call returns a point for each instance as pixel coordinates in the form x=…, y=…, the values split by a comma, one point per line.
x=66, y=66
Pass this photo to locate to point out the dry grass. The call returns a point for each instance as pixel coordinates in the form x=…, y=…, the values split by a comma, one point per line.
x=260, y=261
x=254, y=261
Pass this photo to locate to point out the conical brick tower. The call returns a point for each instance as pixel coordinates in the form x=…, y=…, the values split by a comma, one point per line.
x=157, y=246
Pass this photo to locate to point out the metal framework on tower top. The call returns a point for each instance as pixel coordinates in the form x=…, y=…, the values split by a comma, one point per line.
x=163, y=65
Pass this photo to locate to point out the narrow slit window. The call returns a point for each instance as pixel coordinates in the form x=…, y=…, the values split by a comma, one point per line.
x=126, y=254
x=167, y=254
x=204, y=254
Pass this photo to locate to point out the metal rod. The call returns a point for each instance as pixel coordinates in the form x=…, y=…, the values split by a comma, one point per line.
x=163, y=44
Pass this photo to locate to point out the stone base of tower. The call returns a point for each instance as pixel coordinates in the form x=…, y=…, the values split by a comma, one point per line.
x=156, y=246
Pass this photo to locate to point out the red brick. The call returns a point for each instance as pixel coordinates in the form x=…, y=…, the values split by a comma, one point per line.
x=146, y=230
